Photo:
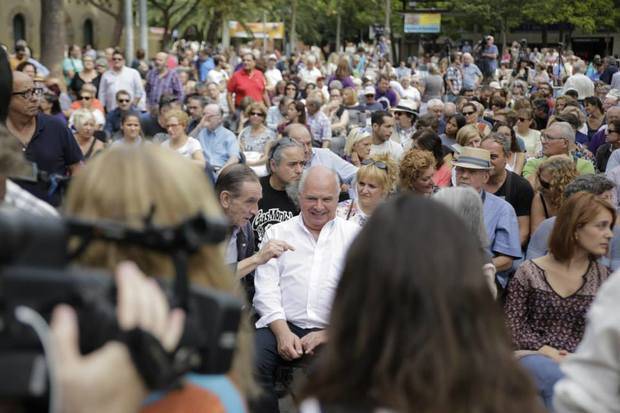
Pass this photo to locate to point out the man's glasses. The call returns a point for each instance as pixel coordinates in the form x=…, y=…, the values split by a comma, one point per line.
x=378, y=164
x=523, y=119
x=257, y=114
x=609, y=131
x=468, y=113
x=123, y=101
x=85, y=98
x=545, y=138
x=28, y=94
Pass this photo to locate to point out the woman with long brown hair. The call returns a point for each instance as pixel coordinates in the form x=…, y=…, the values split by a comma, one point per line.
x=402, y=338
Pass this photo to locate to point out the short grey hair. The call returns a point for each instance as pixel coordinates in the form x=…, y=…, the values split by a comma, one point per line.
x=306, y=172
x=275, y=152
x=504, y=141
x=594, y=184
x=466, y=203
x=81, y=116
x=435, y=102
x=565, y=129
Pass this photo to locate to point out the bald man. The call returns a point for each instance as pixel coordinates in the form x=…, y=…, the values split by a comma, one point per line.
x=45, y=139
x=219, y=145
x=161, y=81
x=294, y=291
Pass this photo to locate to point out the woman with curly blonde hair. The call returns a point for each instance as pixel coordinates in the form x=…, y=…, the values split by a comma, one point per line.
x=375, y=180
x=552, y=177
x=416, y=172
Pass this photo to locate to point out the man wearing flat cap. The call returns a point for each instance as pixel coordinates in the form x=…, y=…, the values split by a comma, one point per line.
x=472, y=169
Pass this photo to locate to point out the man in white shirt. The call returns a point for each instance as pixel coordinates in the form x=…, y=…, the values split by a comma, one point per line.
x=382, y=127
x=309, y=74
x=294, y=291
x=272, y=74
x=218, y=74
x=121, y=77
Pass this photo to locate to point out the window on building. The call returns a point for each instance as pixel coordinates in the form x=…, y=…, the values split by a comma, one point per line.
x=88, y=35
x=19, y=27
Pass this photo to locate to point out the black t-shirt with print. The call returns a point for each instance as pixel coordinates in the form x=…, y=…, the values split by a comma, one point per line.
x=275, y=207
x=518, y=192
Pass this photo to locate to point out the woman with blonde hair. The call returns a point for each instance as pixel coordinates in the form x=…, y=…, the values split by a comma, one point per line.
x=416, y=172
x=552, y=177
x=85, y=126
x=468, y=135
x=130, y=184
x=175, y=122
x=375, y=180
x=357, y=146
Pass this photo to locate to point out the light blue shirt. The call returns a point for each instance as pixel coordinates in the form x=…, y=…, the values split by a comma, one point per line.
x=539, y=244
x=218, y=146
x=325, y=157
x=502, y=227
x=471, y=73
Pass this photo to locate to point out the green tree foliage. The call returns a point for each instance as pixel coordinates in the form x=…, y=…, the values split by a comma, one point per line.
x=587, y=15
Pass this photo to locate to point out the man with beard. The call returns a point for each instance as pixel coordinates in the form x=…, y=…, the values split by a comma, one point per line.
x=285, y=165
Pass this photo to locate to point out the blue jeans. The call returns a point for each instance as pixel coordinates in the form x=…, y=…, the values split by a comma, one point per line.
x=545, y=372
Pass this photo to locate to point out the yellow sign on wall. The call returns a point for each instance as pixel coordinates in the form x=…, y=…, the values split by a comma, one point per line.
x=256, y=30
x=422, y=23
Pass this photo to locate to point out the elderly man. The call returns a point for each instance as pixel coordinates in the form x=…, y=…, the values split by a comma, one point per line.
x=488, y=57
x=160, y=81
x=219, y=145
x=437, y=107
x=294, y=292
x=309, y=73
x=285, y=164
x=506, y=184
x=472, y=169
x=120, y=77
x=320, y=156
x=472, y=76
x=319, y=123
x=239, y=192
x=580, y=82
x=557, y=139
x=45, y=140
x=249, y=82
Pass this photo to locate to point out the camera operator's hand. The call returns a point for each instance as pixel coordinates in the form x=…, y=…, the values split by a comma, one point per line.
x=106, y=380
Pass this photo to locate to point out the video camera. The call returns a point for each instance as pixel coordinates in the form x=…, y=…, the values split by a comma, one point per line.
x=36, y=272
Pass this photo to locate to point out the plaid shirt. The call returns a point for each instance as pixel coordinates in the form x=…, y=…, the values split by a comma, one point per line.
x=456, y=77
x=320, y=127
x=23, y=200
x=156, y=86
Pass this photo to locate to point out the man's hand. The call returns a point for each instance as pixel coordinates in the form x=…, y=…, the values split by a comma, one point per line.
x=289, y=345
x=312, y=340
x=273, y=248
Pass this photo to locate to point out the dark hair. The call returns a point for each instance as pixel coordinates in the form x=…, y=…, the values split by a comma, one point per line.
x=378, y=117
x=429, y=121
x=594, y=101
x=275, y=152
x=232, y=177
x=460, y=120
x=572, y=93
x=498, y=101
x=140, y=53
x=428, y=140
x=55, y=101
x=6, y=85
x=301, y=109
x=418, y=342
x=296, y=88
x=129, y=114
x=514, y=143
x=20, y=67
x=577, y=211
x=122, y=92
x=570, y=118
x=195, y=96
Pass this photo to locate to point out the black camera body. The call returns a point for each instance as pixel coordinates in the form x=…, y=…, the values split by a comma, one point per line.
x=35, y=272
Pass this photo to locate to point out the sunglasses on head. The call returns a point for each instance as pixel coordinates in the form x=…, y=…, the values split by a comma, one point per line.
x=378, y=164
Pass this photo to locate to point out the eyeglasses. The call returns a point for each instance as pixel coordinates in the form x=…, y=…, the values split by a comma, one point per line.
x=173, y=125
x=609, y=131
x=468, y=113
x=28, y=94
x=545, y=138
x=123, y=101
x=291, y=88
x=117, y=59
x=544, y=184
x=257, y=114
x=523, y=119
x=85, y=98
x=378, y=164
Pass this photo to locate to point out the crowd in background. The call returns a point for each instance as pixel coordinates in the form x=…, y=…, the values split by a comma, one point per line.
x=532, y=134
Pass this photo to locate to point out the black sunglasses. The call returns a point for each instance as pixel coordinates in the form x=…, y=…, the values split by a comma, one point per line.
x=85, y=98
x=257, y=114
x=378, y=164
x=468, y=113
x=123, y=100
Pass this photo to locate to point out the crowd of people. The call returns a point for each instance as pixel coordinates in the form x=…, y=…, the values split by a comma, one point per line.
x=406, y=225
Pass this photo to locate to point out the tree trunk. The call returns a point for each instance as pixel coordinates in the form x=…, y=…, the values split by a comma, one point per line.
x=52, y=35
x=338, y=31
x=293, y=35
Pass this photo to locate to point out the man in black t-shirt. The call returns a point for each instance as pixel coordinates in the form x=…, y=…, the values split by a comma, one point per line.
x=285, y=165
x=515, y=189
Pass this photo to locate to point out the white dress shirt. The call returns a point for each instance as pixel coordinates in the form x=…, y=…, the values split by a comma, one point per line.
x=299, y=286
x=127, y=79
